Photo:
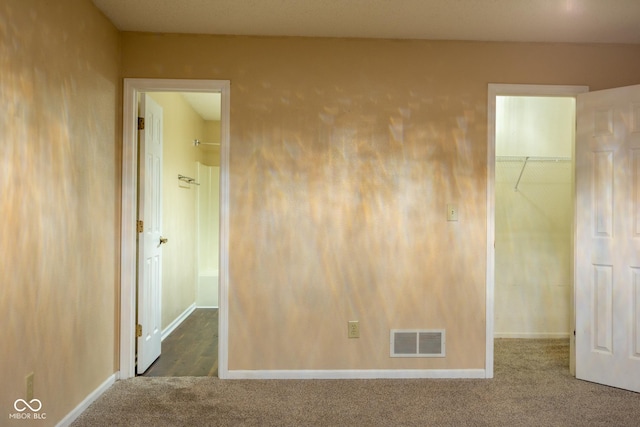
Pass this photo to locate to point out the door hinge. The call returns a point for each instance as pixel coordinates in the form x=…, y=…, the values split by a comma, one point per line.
x=140, y=226
x=139, y=330
x=140, y=123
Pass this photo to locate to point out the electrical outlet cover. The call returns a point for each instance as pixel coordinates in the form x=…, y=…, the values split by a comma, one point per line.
x=29, y=387
x=354, y=329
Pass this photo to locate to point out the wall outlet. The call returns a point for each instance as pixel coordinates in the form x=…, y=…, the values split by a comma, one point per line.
x=29, y=379
x=354, y=329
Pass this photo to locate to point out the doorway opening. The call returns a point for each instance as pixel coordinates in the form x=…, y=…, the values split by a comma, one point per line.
x=534, y=189
x=530, y=221
x=190, y=226
x=132, y=89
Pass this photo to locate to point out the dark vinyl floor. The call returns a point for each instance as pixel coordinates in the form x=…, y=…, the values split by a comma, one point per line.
x=191, y=349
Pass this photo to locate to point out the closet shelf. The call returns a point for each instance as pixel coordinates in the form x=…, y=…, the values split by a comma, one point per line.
x=527, y=159
x=531, y=159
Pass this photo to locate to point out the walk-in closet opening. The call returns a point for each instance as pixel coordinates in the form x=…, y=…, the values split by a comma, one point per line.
x=534, y=216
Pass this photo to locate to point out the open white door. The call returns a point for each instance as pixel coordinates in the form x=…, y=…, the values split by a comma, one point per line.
x=150, y=239
x=608, y=237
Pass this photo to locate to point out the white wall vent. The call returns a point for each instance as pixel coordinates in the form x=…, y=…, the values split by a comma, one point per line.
x=417, y=343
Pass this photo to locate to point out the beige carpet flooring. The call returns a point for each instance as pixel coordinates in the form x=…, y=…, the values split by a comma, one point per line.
x=532, y=387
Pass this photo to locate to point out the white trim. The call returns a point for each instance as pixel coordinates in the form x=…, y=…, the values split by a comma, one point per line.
x=177, y=321
x=532, y=335
x=95, y=394
x=207, y=306
x=354, y=374
x=500, y=89
x=223, y=266
x=491, y=233
x=493, y=91
x=129, y=192
x=128, y=233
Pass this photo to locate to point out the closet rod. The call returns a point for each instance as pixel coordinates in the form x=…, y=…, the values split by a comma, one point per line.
x=533, y=159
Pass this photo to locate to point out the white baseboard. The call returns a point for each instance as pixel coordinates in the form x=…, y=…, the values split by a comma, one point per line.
x=531, y=335
x=355, y=374
x=207, y=306
x=177, y=321
x=71, y=416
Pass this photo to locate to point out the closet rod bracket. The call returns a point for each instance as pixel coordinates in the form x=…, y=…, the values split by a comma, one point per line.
x=524, y=165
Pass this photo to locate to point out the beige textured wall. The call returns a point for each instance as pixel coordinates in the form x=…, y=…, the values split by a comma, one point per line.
x=181, y=125
x=59, y=202
x=344, y=154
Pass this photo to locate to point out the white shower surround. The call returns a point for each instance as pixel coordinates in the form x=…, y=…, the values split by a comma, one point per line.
x=208, y=207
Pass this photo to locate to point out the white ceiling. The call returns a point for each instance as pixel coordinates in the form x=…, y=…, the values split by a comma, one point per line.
x=207, y=105
x=575, y=21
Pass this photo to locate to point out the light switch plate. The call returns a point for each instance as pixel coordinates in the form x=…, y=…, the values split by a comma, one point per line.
x=452, y=212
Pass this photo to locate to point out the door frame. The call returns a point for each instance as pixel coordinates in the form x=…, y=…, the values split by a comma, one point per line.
x=128, y=269
x=511, y=90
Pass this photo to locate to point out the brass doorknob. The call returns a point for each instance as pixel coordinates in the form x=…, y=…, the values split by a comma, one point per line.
x=163, y=240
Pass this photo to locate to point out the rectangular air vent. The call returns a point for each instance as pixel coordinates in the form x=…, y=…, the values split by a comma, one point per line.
x=417, y=343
